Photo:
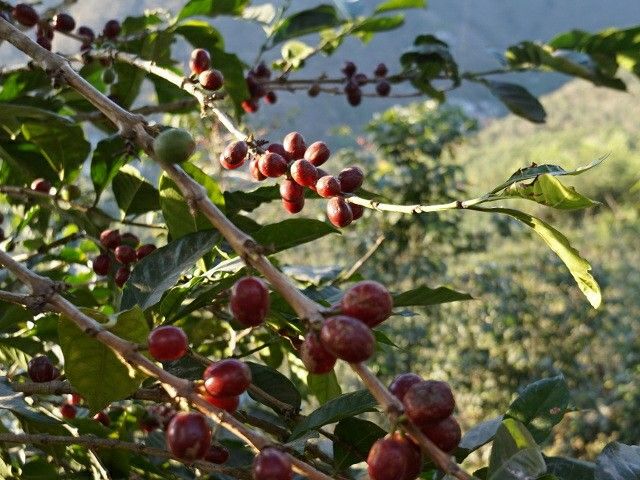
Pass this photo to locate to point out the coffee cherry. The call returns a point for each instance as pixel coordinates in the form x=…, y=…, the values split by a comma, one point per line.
x=144, y=250
x=294, y=145
x=351, y=179
x=304, y=173
x=403, y=382
x=272, y=165
x=110, y=238
x=229, y=404
x=254, y=169
x=381, y=70
x=40, y=369
x=158, y=416
x=293, y=206
x=227, y=377
x=428, y=401
x=349, y=69
x=314, y=90
x=130, y=239
x=314, y=356
x=103, y=418
x=256, y=89
x=167, y=343
x=250, y=106
x=347, y=338
x=321, y=173
x=328, y=186
x=25, y=14
x=317, y=153
x=356, y=210
x=291, y=191
x=125, y=254
x=272, y=464
x=394, y=458
x=211, y=79
x=234, y=154
x=87, y=33
x=339, y=212
x=74, y=399
x=111, y=29
x=262, y=71
x=383, y=88
x=68, y=411
x=360, y=78
x=271, y=97
x=353, y=93
x=70, y=192
x=217, y=454
x=367, y=301
x=121, y=276
x=63, y=22
x=41, y=185
x=249, y=302
x=188, y=436
x=279, y=149
x=44, y=30
x=174, y=145
x=199, y=61
x=101, y=264
x=446, y=434
x=44, y=42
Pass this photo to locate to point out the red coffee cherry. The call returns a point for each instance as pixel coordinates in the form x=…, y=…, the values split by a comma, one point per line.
x=125, y=254
x=234, y=154
x=351, y=179
x=158, y=416
x=383, y=88
x=394, y=458
x=262, y=71
x=291, y=191
x=381, y=70
x=25, y=14
x=272, y=165
x=317, y=153
x=227, y=377
x=229, y=404
x=121, y=276
x=41, y=185
x=339, y=212
x=367, y=301
x=293, y=206
x=428, y=401
x=304, y=173
x=321, y=173
x=211, y=79
x=353, y=93
x=130, y=239
x=68, y=411
x=314, y=356
x=256, y=89
x=167, y=343
x=111, y=29
x=271, y=97
x=349, y=69
x=249, y=302
x=74, y=399
x=103, y=418
x=110, y=238
x=403, y=382
x=360, y=79
x=87, y=33
x=44, y=42
x=40, y=369
x=328, y=186
x=101, y=264
x=250, y=106
x=63, y=22
x=188, y=436
x=446, y=434
x=199, y=61
x=347, y=338
x=254, y=169
x=314, y=90
x=356, y=210
x=272, y=464
x=294, y=145
x=279, y=149
x=144, y=250
x=217, y=454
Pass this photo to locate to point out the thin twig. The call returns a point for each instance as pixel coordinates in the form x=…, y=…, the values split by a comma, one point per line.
x=361, y=261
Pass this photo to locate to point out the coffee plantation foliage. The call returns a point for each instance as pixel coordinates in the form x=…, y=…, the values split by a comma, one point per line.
x=479, y=300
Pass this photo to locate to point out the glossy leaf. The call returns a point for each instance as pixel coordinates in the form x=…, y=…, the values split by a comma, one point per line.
x=249, y=201
x=276, y=384
x=514, y=454
x=618, y=462
x=424, y=296
x=477, y=436
x=291, y=232
x=400, y=4
x=324, y=387
x=212, y=8
x=133, y=194
x=304, y=22
x=108, y=157
x=518, y=100
x=354, y=438
x=570, y=468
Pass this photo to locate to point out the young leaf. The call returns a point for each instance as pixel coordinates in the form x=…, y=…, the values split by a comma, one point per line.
x=324, y=387
x=400, y=4
x=548, y=190
x=304, y=22
x=618, y=462
x=134, y=195
x=354, y=438
x=518, y=100
x=514, y=454
x=423, y=296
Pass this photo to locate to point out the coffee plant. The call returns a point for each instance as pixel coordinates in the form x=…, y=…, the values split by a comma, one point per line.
x=165, y=340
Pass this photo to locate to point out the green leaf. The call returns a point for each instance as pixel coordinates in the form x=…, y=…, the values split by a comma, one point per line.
x=478, y=436
x=579, y=268
x=278, y=386
x=108, y=157
x=570, y=468
x=518, y=100
x=15, y=403
x=324, y=387
x=423, y=296
x=292, y=232
x=541, y=406
x=354, y=438
x=514, y=454
x=200, y=34
x=400, y=4
x=212, y=8
x=133, y=194
x=249, y=201
x=160, y=270
x=347, y=405
x=618, y=462
x=295, y=52
x=93, y=369
x=379, y=24
x=304, y=22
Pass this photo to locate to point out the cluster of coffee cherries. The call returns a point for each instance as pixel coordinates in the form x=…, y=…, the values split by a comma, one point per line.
x=200, y=66
x=27, y=16
x=354, y=80
x=255, y=79
x=301, y=167
x=119, y=249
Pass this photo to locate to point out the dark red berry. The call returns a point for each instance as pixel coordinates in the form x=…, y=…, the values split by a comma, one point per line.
x=254, y=169
x=428, y=401
x=41, y=185
x=121, y=276
x=272, y=464
x=339, y=212
x=262, y=71
x=347, y=338
x=125, y=254
x=272, y=165
x=40, y=369
x=351, y=179
x=353, y=93
x=383, y=88
x=167, y=343
x=158, y=416
x=235, y=153
x=446, y=434
x=130, y=239
x=314, y=356
x=217, y=454
x=44, y=30
x=271, y=97
x=110, y=238
x=227, y=377
x=328, y=186
x=304, y=173
x=294, y=145
x=148, y=424
x=25, y=15
x=291, y=191
x=199, y=61
x=317, y=153
x=144, y=250
x=68, y=411
x=188, y=436
x=356, y=210
x=103, y=418
x=74, y=399
x=256, y=89
x=250, y=106
x=367, y=301
x=101, y=264
x=360, y=79
x=249, y=302
x=211, y=79
x=314, y=90
x=44, y=42
x=401, y=383
x=111, y=29
x=293, y=206
x=394, y=458
x=229, y=404
x=381, y=70
x=279, y=149
x=63, y=22
x=87, y=33
x=321, y=173
x=349, y=69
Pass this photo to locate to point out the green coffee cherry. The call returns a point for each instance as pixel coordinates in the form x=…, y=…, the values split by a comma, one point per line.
x=174, y=145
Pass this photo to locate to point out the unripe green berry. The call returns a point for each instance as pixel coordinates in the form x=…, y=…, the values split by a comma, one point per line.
x=174, y=145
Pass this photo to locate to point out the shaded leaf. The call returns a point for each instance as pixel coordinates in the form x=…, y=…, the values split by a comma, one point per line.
x=278, y=386
x=518, y=100
x=249, y=201
x=354, y=440
x=292, y=232
x=477, y=436
x=133, y=194
x=304, y=22
x=108, y=157
x=324, y=387
x=212, y=8
x=514, y=454
x=423, y=296
x=618, y=462
x=570, y=468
